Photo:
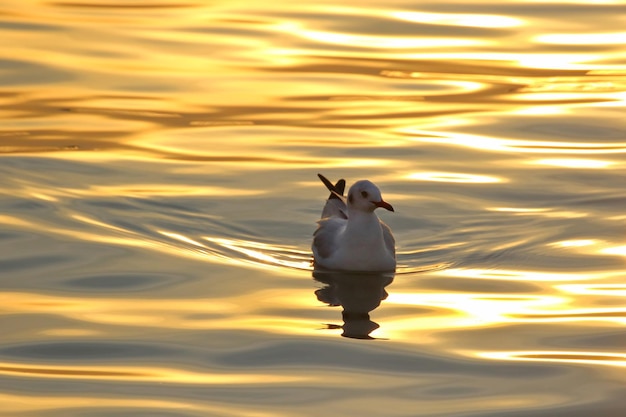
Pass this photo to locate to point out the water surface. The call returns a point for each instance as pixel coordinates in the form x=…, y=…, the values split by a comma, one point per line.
x=159, y=191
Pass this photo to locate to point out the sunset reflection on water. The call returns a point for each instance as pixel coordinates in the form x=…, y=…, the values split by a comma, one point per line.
x=159, y=193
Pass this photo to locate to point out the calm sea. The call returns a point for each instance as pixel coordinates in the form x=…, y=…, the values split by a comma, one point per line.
x=158, y=193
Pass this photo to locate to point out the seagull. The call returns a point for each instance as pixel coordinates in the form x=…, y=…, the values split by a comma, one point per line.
x=351, y=237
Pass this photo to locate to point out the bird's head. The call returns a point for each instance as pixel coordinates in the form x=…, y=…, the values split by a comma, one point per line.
x=365, y=196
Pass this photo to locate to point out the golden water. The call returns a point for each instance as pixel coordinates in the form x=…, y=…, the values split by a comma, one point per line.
x=159, y=191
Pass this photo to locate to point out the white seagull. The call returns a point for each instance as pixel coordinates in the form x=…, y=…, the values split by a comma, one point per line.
x=352, y=237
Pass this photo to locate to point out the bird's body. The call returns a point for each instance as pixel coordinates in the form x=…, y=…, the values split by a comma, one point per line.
x=350, y=237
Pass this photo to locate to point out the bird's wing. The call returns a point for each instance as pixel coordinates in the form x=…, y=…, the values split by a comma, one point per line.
x=335, y=208
x=390, y=241
x=336, y=191
x=335, y=205
x=325, y=236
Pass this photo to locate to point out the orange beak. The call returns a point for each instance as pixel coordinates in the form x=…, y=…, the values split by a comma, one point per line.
x=384, y=205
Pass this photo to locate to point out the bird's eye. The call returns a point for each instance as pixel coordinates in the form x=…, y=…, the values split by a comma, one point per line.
x=364, y=194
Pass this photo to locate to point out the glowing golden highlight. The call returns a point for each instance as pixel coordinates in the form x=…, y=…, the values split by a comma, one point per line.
x=540, y=212
x=592, y=246
x=265, y=254
x=575, y=243
x=235, y=312
x=615, y=250
x=607, y=290
x=615, y=38
x=460, y=19
x=462, y=310
x=182, y=238
x=493, y=144
x=454, y=177
x=575, y=163
x=526, y=276
x=145, y=374
x=375, y=41
x=587, y=358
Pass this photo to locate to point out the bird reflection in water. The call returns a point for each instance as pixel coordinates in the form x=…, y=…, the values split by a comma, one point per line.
x=358, y=294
